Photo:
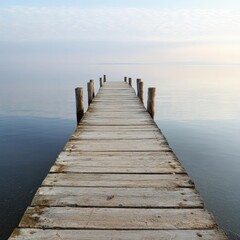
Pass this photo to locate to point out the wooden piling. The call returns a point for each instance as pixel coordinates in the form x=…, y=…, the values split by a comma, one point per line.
x=130, y=81
x=79, y=104
x=151, y=101
x=101, y=83
x=104, y=78
x=125, y=79
x=93, y=91
x=90, y=91
x=137, y=83
x=140, y=84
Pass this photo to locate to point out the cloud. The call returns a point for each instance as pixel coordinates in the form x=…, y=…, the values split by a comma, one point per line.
x=118, y=24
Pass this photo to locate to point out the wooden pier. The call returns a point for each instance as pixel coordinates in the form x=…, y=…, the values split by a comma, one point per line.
x=117, y=178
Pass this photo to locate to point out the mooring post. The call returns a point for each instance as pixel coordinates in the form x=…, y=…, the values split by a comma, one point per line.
x=140, y=85
x=90, y=90
x=125, y=79
x=79, y=104
x=100, y=79
x=151, y=101
x=104, y=78
x=137, y=83
x=93, y=92
x=130, y=81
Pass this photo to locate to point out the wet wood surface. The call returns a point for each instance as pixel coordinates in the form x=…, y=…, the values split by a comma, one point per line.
x=117, y=178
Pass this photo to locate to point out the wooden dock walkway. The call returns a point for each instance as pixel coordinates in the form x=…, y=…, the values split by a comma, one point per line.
x=117, y=178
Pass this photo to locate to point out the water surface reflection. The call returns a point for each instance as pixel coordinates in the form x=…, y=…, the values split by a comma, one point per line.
x=197, y=108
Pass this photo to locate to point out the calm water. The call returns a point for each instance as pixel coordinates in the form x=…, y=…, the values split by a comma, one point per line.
x=197, y=109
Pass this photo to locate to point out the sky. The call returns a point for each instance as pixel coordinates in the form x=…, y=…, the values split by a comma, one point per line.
x=65, y=39
x=231, y=4
x=185, y=30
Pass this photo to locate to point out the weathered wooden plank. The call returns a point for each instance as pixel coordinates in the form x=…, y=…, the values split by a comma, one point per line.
x=124, y=104
x=118, y=88
x=111, y=91
x=115, y=122
x=119, y=145
x=115, y=85
x=86, y=135
x=116, y=218
x=117, y=197
x=143, y=161
x=118, y=105
x=111, y=165
x=125, y=99
x=116, y=98
x=115, y=109
x=111, y=128
x=118, y=108
x=114, y=92
x=116, y=95
x=120, y=167
x=57, y=234
x=116, y=115
x=117, y=156
x=118, y=180
x=121, y=87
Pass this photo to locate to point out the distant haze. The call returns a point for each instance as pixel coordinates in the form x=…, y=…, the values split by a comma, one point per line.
x=49, y=44
x=119, y=32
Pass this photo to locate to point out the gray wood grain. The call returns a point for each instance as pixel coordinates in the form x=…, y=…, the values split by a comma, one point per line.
x=57, y=234
x=118, y=180
x=117, y=197
x=116, y=218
